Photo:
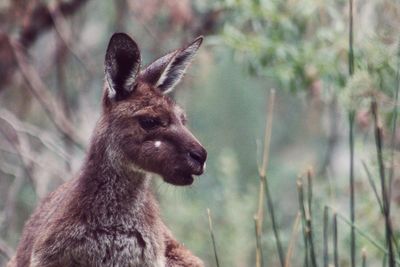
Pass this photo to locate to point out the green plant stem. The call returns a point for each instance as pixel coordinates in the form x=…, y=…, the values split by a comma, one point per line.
x=362, y=233
x=351, y=138
x=259, y=222
x=364, y=258
x=309, y=192
x=325, y=237
x=293, y=239
x=335, y=242
x=385, y=196
x=212, y=237
x=351, y=40
x=374, y=188
x=303, y=221
x=264, y=188
x=352, y=200
x=311, y=242
x=274, y=224
x=384, y=260
x=394, y=123
x=373, y=185
x=309, y=219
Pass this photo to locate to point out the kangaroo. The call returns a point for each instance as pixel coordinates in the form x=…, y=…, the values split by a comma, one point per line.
x=107, y=214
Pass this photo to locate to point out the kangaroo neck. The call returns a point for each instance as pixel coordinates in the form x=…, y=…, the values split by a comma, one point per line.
x=108, y=176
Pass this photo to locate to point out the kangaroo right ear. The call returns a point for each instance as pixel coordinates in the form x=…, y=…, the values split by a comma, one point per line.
x=166, y=72
x=122, y=65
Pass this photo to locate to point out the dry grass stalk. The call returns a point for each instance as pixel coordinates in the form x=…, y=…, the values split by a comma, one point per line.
x=293, y=239
x=262, y=173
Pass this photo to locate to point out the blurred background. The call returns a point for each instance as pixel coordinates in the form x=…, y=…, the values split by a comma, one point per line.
x=51, y=72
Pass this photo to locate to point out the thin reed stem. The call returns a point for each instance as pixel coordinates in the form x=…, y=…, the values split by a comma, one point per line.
x=362, y=233
x=212, y=237
x=274, y=224
x=373, y=185
x=351, y=139
x=384, y=260
x=264, y=188
x=385, y=197
x=304, y=221
x=260, y=260
x=394, y=123
x=326, y=237
x=310, y=191
x=309, y=218
x=293, y=239
x=364, y=258
x=311, y=242
x=335, y=242
x=393, y=136
x=268, y=133
x=351, y=39
x=352, y=200
x=258, y=224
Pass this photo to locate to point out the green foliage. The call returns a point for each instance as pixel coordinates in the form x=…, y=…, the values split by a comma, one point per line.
x=296, y=43
x=293, y=42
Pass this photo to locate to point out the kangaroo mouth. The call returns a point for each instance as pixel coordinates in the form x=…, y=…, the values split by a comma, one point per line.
x=185, y=175
x=181, y=179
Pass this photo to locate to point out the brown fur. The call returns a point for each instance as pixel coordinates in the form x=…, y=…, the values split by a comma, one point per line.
x=107, y=215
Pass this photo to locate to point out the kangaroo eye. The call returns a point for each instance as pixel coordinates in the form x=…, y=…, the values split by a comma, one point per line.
x=149, y=123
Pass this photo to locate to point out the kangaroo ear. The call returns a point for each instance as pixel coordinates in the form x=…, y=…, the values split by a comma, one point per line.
x=122, y=65
x=167, y=71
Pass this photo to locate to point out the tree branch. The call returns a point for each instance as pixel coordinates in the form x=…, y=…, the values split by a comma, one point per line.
x=43, y=95
x=37, y=21
x=40, y=19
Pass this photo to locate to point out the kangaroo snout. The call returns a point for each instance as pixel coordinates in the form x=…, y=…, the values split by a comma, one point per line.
x=198, y=158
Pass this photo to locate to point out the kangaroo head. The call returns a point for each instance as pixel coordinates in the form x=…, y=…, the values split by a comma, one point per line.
x=144, y=128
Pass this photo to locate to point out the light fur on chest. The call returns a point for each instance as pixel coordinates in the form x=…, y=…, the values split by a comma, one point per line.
x=104, y=249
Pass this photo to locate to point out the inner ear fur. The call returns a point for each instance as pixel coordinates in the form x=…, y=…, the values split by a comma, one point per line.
x=122, y=65
x=166, y=72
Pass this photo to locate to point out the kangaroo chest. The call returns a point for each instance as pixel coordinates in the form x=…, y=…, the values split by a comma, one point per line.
x=122, y=235
x=116, y=246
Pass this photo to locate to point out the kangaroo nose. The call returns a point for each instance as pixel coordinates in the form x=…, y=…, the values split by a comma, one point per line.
x=199, y=156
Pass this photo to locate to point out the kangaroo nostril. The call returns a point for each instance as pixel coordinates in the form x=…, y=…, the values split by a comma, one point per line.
x=198, y=156
x=195, y=155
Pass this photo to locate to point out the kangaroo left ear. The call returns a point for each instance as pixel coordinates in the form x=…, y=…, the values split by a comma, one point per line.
x=166, y=72
x=122, y=65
